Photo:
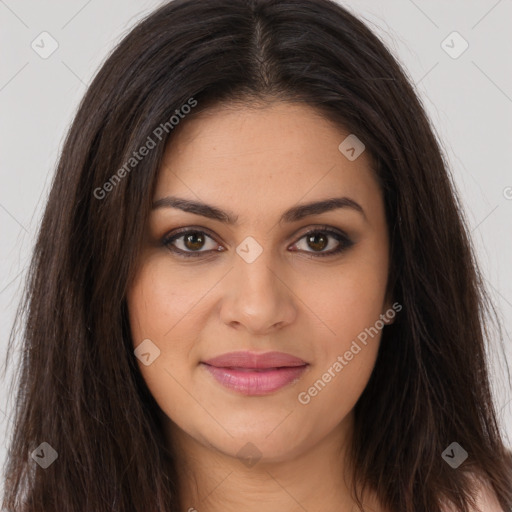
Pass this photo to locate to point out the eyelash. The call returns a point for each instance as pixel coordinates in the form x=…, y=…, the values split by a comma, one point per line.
x=344, y=242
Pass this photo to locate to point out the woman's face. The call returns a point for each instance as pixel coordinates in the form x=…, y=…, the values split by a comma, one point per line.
x=260, y=283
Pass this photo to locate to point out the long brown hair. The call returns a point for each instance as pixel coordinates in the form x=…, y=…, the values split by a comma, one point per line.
x=79, y=388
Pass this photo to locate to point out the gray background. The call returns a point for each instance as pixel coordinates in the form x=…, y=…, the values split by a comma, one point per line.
x=468, y=98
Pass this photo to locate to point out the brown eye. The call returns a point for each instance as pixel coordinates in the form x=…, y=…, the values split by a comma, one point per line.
x=318, y=241
x=190, y=243
x=194, y=241
x=321, y=238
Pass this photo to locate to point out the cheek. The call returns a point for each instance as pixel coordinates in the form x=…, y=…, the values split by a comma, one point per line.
x=161, y=308
x=349, y=299
x=157, y=299
x=165, y=301
x=344, y=360
x=349, y=303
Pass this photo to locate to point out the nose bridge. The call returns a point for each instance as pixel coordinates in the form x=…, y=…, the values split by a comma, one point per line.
x=258, y=276
x=258, y=298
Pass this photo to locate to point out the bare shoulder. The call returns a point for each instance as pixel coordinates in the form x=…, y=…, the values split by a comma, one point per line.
x=486, y=499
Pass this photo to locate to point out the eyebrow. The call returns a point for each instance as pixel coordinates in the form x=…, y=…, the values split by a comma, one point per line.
x=294, y=214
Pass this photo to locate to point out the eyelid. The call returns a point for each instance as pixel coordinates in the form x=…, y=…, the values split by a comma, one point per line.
x=178, y=233
x=344, y=241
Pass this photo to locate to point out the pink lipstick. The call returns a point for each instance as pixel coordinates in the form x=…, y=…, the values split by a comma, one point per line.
x=251, y=373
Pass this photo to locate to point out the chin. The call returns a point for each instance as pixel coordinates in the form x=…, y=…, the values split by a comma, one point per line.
x=253, y=446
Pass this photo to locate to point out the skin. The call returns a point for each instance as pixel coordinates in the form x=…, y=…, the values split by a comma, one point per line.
x=257, y=163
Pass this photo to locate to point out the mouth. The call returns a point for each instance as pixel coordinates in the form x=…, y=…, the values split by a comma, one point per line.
x=255, y=374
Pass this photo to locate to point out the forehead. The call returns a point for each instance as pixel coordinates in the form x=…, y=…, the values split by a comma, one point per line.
x=264, y=156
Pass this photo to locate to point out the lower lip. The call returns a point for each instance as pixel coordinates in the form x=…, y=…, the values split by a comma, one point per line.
x=252, y=382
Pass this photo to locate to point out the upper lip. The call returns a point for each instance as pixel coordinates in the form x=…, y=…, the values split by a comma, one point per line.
x=244, y=359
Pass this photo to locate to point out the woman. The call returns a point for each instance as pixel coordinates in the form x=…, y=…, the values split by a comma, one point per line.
x=253, y=288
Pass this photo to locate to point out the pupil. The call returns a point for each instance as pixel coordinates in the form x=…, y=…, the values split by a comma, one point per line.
x=191, y=244
x=313, y=241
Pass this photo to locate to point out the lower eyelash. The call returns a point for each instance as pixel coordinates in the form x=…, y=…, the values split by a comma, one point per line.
x=344, y=243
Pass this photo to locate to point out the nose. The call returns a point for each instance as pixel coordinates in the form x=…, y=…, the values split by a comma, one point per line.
x=257, y=296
